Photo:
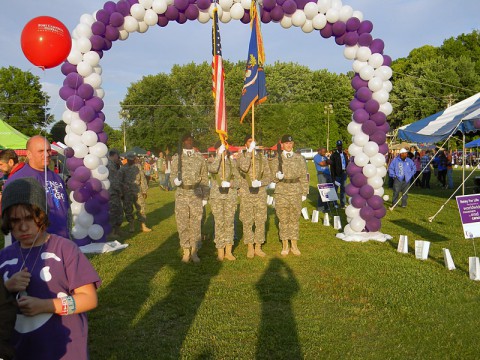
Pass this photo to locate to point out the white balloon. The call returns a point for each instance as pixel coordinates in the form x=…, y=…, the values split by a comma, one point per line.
x=78, y=231
x=370, y=148
x=99, y=149
x=354, y=150
x=137, y=11
x=246, y=4
x=100, y=173
x=350, y=52
x=357, y=224
x=142, y=27
x=84, y=68
x=381, y=96
x=286, y=22
x=367, y=72
x=226, y=4
x=99, y=92
x=147, y=4
x=363, y=53
x=378, y=160
x=97, y=69
x=375, y=83
x=386, y=197
x=337, y=4
x=78, y=126
x=379, y=191
x=226, y=17
x=71, y=139
x=92, y=58
x=77, y=207
x=384, y=72
x=93, y=79
x=81, y=150
x=106, y=184
x=319, y=21
x=130, y=24
x=376, y=182
x=87, y=19
x=159, y=6
x=381, y=171
x=204, y=16
x=324, y=5
x=104, y=161
x=354, y=128
x=71, y=197
x=169, y=2
x=308, y=26
x=150, y=18
x=89, y=138
x=123, y=34
x=360, y=139
x=345, y=13
x=369, y=170
x=386, y=108
x=361, y=159
x=358, y=65
x=96, y=231
x=311, y=10
x=387, y=86
x=352, y=211
x=332, y=15
x=237, y=11
x=376, y=60
x=75, y=56
x=84, y=45
x=91, y=161
x=68, y=116
x=298, y=18
x=84, y=30
x=358, y=15
x=348, y=230
x=84, y=219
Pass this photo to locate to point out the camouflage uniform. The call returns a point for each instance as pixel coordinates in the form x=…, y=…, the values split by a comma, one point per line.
x=288, y=194
x=115, y=192
x=189, y=196
x=135, y=186
x=253, y=201
x=161, y=171
x=223, y=202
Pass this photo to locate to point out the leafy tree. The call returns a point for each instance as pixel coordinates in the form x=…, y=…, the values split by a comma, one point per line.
x=22, y=101
x=115, y=138
x=57, y=132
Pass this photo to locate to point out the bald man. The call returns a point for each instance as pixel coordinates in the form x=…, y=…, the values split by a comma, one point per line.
x=38, y=154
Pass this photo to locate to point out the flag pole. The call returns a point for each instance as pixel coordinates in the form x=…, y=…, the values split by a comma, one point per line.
x=253, y=139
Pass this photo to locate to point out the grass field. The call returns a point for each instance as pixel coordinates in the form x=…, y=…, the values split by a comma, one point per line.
x=338, y=300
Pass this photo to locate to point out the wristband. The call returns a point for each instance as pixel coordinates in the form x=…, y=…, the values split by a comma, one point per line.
x=68, y=305
x=64, y=306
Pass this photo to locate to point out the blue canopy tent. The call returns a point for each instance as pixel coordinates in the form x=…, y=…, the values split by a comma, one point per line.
x=472, y=144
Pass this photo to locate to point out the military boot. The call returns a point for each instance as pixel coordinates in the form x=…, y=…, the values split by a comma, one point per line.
x=193, y=255
x=186, y=255
x=285, y=249
x=145, y=228
x=250, y=251
x=295, y=250
x=228, y=253
x=114, y=234
x=131, y=227
x=259, y=251
x=220, y=254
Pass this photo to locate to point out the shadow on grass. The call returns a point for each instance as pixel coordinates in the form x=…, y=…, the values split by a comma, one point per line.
x=419, y=230
x=278, y=336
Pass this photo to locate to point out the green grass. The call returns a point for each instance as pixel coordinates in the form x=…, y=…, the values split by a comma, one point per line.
x=337, y=300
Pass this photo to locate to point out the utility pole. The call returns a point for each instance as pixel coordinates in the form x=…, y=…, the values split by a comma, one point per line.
x=328, y=109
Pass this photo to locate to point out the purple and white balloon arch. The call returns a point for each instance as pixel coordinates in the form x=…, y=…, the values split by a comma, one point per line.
x=82, y=91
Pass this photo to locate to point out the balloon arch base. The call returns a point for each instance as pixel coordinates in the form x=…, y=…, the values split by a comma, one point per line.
x=363, y=236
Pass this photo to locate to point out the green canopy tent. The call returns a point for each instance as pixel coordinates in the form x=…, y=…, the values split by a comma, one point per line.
x=11, y=138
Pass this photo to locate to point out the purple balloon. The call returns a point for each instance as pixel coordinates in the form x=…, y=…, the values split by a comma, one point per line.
x=181, y=4
x=351, y=190
x=68, y=152
x=378, y=137
x=366, y=26
x=365, y=39
x=301, y=3
x=363, y=94
x=356, y=104
x=203, y=4
x=74, y=163
x=81, y=195
x=387, y=60
x=162, y=20
x=358, y=201
x=73, y=80
x=110, y=7
x=265, y=16
x=98, y=28
x=379, y=118
x=132, y=2
x=102, y=137
x=366, y=213
x=96, y=125
x=87, y=113
x=375, y=202
x=102, y=197
x=357, y=82
x=68, y=68
x=369, y=127
x=101, y=218
x=246, y=17
x=65, y=92
x=91, y=205
x=112, y=33
x=353, y=24
x=171, y=13
x=280, y=2
x=96, y=103
x=192, y=12
x=85, y=91
x=82, y=242
x=340, y=40
x=360, y=116
x=101, y=115
x=372, y=106
x=289, y=7
x=383, y=148
x=107, y=229
x=373, y=224
x=339, y=28
x=123, y=7
x=377, y=46
x=82, y=173
x=116, y=19
x=353, y=169
x=107, y=45
x=74, y=103
x=277, y=13
x=103, y=16
x=384, y=127
x=351, y=38
x=366, y=191
x=98, y=42
x=100, y=53
x=181, y=18
x=327, y=31
x=380, y=213
x=269, y=4
x=358, y=180
x=73, y=184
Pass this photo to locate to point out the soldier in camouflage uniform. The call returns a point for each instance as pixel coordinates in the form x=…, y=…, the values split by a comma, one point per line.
x=191, y=179
x=291, y=189
x=115, y=192
x=223, y=200
x=254, y=178
x=135, y=189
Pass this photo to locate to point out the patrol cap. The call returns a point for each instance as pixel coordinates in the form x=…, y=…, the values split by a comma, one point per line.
x=287, y=138
x=339, y=143
x=130, y=155
x=187, y=136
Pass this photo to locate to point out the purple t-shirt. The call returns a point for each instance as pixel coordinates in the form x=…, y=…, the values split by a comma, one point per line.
x=58, y=267
x=57, y=198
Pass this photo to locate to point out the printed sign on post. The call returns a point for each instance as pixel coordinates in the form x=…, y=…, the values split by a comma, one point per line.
x=327, y=192
x=469, y=208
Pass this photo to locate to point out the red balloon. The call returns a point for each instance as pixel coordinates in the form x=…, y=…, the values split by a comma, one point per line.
x=46, y=42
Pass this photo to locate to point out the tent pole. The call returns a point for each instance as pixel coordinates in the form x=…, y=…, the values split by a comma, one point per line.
x=463, y=165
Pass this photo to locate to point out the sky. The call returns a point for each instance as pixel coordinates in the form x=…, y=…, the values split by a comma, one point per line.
x=402, y=24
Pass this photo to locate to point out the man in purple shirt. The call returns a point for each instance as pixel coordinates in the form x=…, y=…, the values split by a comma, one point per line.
x=38, y=154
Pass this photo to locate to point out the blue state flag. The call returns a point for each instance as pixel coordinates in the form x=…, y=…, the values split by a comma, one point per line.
x=254, y=87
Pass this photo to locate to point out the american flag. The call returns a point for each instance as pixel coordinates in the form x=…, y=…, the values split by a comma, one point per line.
x=218, y=76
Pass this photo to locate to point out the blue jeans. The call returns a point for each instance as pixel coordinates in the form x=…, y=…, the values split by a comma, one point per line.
x=341, y=180
x=323, y=178
x=400, y=186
